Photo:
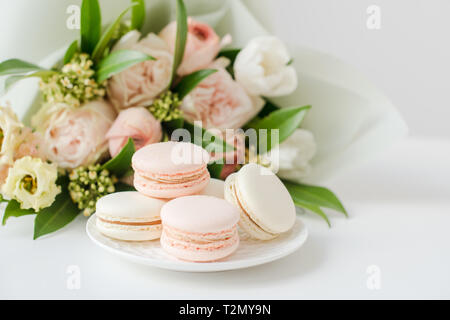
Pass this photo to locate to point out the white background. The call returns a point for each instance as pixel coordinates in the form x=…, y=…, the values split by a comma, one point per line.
x=399, y=205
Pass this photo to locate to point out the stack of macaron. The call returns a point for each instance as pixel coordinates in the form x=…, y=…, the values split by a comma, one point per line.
x=195, y=217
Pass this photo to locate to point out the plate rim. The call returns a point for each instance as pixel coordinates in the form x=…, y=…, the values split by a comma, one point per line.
x=185, y=266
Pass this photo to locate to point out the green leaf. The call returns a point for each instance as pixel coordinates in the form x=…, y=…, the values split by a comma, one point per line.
x=99, y=50
x=170, y=126
x=70, y=52
x=58, y=215
x=316, y=196
x=16, y=66
x=215, y=169
x=230, y=54
x=209, y=142
x=189, y=82
x=118, y=61
x=121, y=163
x=286, y=120
x=91, y=25
x=268, y=108
x=120, y=186
x=312, y=208
x=138, y=14
x=11, y=80
x=181, y=37
x=13, y=210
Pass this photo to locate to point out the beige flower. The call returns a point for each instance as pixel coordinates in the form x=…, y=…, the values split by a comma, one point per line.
x=11, y=130
x=262, y=68
x=220, y=102
x=202, y=45
x=137, y=124
x=295, y=155
x=75, y=136
x=32, y=183
x=139, y=85
x=16, y=141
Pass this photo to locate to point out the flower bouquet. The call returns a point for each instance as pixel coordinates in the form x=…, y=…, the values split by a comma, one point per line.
x=117, y=90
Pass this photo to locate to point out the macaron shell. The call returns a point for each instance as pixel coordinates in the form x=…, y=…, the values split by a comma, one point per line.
x=195, y=253
x=129, y=206
x=129, y=233
x=199, y=214
x=215, y=188
x=170, y=157
x=245, y=223
x=265, y=198
x=151, y=188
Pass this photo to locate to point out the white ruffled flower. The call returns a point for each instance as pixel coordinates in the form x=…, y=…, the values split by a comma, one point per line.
x=32, y=183
x=295, y=154
x=10, y=135
x=262, y=68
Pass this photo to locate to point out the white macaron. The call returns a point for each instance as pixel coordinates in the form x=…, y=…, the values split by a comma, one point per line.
x=266, y=206
x=129, y=216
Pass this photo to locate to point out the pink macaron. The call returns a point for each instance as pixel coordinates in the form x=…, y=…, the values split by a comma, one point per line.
x=170, y=169
x=199, y=228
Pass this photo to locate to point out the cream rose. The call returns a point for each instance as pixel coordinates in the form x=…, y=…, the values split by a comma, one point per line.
x=262, y=68
x=202, y=45
x=16, y=141
x=75, y=136
x=32, y=183
x=295, y=154
x=220, y=102
x=139, y=85
x=11, y=130
x=135, y=123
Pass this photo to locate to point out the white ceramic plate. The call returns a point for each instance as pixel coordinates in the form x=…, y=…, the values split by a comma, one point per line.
x=250, y=252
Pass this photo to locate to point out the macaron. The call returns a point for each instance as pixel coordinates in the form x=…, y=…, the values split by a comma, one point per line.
x=215, y=188
x=170, y=169
x=129, y=216
x=265, y=205
x=199, y=228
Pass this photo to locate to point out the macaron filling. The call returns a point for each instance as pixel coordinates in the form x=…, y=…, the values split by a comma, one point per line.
x=149, y=223
x=174, y=179
x=200, y=242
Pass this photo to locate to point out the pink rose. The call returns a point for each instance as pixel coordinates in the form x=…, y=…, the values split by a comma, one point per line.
x=31, y=145
x=136, y=123
x=202, y=45
x=139, y=85
x=220, y=102
x=77, y=136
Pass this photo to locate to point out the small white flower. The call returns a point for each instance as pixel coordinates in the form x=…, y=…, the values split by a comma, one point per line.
x=295, y=154
x=32, y=183
x=262, y=68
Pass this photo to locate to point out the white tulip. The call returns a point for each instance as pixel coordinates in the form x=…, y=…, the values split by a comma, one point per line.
x=262, y=68
x=295, y=154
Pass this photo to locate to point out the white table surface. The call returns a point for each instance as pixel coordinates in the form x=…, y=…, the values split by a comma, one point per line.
x=400, y=216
